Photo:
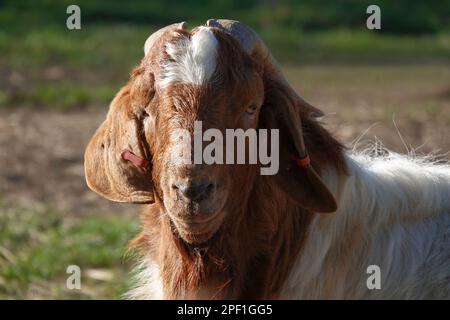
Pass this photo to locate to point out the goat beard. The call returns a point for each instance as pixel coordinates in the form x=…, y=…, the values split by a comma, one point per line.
x=209, y=270
x=215, y=268
x=248, y=257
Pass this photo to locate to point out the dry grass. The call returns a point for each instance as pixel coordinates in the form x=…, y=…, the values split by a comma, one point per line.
x=406, y=107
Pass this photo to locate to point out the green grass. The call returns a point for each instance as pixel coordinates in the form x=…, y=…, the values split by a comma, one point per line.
x=36, y=246
x=92, y=63
x=117, y=47
x=62, y=96
x=398, y=17
x=343, y=46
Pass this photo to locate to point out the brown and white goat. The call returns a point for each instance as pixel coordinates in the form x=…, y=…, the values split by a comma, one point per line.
x=225, y=231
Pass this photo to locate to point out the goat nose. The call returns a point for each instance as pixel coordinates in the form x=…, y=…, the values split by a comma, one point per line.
x=194, y=191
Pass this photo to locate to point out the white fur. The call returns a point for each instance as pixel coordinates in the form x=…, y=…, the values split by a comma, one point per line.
x=147, y=282
x=394, y=212
x=193, y=60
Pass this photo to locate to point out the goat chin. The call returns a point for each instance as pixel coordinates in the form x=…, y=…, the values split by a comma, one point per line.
x=198, y=233
x=394, y=212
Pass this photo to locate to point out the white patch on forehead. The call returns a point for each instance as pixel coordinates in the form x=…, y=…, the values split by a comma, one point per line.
x=193, y=60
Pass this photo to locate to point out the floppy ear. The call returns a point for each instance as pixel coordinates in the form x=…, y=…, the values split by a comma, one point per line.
x=296, y=177
x=107, y=171
x=117, y=160
x=281, y=110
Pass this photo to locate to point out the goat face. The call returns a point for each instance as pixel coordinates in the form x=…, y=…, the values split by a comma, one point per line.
x=223, y=76
x=194, y=195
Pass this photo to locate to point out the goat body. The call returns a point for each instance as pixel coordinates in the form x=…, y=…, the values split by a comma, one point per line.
x=394, y=212
x=312, y=229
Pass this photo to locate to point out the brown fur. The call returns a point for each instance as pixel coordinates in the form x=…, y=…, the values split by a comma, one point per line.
x=263, y=231
x=255, y=248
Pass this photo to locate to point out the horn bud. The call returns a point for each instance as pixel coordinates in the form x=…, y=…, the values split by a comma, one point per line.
x=154, y=37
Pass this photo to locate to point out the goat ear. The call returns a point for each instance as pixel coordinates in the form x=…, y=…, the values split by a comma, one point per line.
x=107, y=173
x=281, y=110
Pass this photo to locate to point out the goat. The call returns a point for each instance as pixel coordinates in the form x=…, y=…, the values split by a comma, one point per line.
x=227, y=232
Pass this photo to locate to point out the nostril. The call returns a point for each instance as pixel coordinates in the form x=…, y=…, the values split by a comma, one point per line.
x=194, y=191
x=209, y=188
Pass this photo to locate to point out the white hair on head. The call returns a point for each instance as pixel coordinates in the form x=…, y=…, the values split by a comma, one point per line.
x=193, y=60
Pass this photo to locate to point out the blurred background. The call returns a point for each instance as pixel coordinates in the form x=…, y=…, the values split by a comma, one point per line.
x=390, y=85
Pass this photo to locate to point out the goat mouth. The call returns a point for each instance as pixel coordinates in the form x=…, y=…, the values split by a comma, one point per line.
x=197, y=231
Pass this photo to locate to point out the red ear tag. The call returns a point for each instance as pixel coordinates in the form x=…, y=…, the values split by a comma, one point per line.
x=301, y=162
x=134, y=159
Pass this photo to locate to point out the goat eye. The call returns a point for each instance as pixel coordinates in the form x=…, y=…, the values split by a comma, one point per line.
x=251, y=109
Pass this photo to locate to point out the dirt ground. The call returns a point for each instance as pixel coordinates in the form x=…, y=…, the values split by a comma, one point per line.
x=41, y=152
x=42, y=159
